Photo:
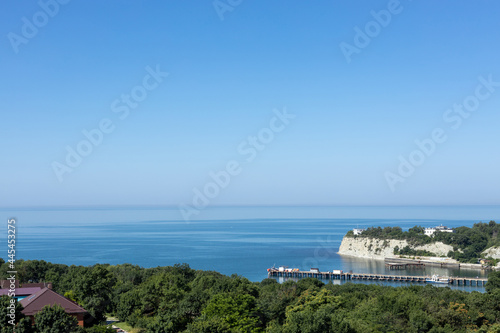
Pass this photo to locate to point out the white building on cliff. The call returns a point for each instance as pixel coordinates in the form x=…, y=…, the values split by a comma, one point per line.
x=357, y=231
x=430, y=231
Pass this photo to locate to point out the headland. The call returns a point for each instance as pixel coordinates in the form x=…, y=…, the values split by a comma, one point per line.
x=473, y=248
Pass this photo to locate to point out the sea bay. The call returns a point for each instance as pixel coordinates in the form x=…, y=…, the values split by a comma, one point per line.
x=232, y=240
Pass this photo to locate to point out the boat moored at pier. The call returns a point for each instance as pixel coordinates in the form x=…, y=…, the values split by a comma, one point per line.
x=437, y=280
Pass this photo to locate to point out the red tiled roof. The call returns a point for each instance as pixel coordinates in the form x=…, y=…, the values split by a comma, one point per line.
x=21, y=291
x=35, y=303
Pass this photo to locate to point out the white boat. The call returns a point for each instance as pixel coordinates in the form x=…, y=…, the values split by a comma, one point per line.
x=438, y=280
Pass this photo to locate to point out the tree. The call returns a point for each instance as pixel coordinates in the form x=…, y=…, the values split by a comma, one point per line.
x=274, y=298
x=493, y=282
x=309, y=284
x=53, y=319
x=25, y=325
x=166, y=323
x=93, y=290
x=238, y=311
x=211, y=325
x=34, y=270
x=10, y=312
x=417, y=230
x=420, y=321
x=313, y=313
x=129, y=302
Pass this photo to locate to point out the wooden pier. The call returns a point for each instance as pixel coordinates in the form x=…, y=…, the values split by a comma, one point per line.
x=457, y=281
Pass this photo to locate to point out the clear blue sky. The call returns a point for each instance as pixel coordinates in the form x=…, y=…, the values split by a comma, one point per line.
x=353, y=119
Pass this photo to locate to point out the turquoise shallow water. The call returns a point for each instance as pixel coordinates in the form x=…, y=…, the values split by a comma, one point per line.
x=240, y=240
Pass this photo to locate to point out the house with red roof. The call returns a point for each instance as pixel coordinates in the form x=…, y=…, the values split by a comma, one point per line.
x=35, y=303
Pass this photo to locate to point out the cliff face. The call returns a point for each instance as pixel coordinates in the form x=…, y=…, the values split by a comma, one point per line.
x=493, y=252
x=363, y=247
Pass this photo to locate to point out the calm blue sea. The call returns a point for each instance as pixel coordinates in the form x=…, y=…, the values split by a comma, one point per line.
x=231, y=240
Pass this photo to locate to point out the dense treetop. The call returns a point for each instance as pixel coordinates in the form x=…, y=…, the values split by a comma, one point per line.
x=180, y=299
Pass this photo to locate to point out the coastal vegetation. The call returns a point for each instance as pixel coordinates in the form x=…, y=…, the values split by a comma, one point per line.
x=468, y=243
x=414, y=236
x=180, y=299
x=408, y=251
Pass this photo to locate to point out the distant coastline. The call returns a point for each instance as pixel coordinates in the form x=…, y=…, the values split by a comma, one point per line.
x=419, y=244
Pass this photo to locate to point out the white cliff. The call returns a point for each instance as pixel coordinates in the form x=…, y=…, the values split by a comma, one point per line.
x=364, y=247
x=493, y=252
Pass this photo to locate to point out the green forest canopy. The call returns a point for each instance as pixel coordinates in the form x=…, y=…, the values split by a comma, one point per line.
x=180, y=299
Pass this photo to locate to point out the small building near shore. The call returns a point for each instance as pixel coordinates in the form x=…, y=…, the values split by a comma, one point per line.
x=486, y=262
x=357, y=231
x=441, y=228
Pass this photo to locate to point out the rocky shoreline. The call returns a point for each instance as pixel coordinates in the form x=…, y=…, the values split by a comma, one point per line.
x=379, y=249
